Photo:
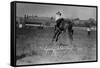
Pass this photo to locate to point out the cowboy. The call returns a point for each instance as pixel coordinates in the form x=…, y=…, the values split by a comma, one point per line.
x=59, y=25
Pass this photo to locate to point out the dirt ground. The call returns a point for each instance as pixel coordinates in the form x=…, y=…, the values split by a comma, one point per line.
x=35, y=46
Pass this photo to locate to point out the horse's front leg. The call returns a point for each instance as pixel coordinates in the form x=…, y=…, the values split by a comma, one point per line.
x=55, y=34
x=59, y=32
x=55, y=28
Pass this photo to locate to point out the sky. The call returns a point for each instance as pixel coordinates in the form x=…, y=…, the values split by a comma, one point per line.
x=83, y=13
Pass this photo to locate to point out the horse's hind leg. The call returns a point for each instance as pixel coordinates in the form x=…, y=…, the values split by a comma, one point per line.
x=70, y=37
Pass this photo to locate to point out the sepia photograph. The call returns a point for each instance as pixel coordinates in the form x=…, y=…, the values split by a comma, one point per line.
x=52, y=33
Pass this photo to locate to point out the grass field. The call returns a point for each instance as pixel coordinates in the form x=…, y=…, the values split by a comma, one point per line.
x=34, y=46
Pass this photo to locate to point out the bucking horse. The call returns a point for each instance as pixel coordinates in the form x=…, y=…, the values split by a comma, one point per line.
x=61, y=26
